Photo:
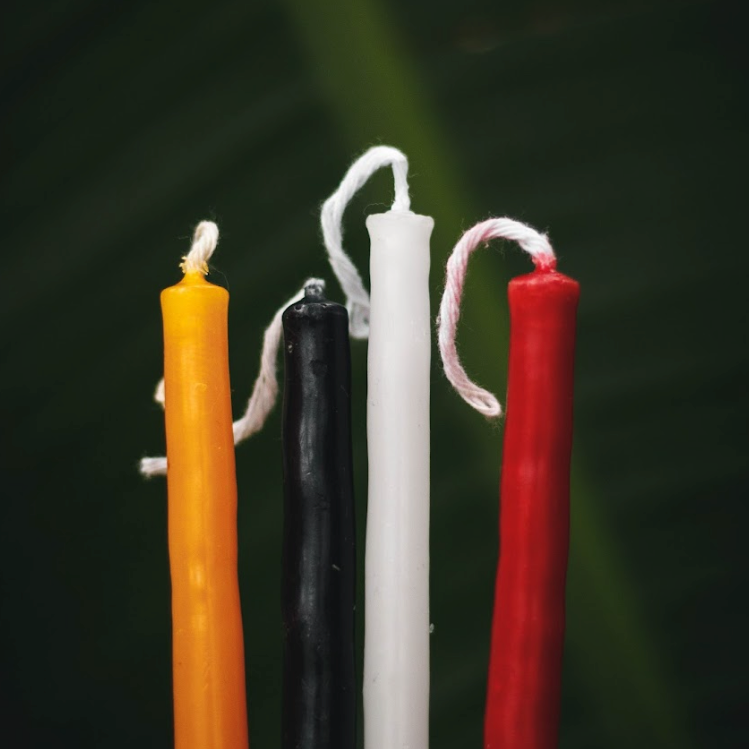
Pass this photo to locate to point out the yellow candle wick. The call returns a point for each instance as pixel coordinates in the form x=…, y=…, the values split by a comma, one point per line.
x=187, y=267
x=204, y=243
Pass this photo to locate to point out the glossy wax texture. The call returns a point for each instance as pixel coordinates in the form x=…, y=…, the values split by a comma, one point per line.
x=319, y=695
x=396, y=632
x=208, y=651
x=522, y=710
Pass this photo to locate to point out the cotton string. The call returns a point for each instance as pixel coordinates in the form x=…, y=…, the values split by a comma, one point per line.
x=331, y=216
x=265, y=389
x=535, y=244
x=204, y=243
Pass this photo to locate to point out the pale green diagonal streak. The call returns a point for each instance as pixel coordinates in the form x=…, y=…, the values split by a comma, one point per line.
x=374, y=92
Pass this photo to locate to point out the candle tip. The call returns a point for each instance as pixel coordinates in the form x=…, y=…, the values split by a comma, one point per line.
x=545, y=262
x=315, y=287
x=204, y=243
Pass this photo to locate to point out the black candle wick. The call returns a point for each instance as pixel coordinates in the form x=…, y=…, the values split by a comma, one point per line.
x=315, y=290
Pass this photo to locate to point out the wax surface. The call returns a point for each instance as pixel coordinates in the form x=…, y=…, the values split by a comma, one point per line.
x=208, y=651
x=396, y=633
x=319, y=695
x=522, y=710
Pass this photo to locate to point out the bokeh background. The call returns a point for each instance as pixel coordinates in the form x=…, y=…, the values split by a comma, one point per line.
x=619, y=126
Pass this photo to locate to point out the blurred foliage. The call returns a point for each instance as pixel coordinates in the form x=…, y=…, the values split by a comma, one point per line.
x=621, y=127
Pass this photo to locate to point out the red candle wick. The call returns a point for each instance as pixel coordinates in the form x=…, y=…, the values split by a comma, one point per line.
x=535, y=244
x=545, y=263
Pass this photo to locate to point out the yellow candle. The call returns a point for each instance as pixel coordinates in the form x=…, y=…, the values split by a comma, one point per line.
x=208, y=654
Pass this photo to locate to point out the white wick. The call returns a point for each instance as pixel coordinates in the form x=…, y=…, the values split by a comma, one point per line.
x=204, y=242
x=331, y=216
x=265, y=389
x=535, y=244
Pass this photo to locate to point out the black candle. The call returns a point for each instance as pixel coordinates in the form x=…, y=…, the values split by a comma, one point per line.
x=319, y=698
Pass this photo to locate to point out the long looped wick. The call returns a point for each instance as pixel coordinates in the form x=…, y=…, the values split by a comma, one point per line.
x=265, y=389
x=535, y=244
x=331, y=216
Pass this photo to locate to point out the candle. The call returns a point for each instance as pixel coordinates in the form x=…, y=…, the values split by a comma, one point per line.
x=319, y=697
x=396, y=645
x=208, y=652
x=523, y=697
x=396, y=319
x=522, y=708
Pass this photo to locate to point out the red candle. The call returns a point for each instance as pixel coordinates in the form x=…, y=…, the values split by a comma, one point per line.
x=522, y=707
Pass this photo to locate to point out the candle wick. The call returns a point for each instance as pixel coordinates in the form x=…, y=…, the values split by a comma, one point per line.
x=315, y=287
x=265, y=390
x=536, y=244
x=545, y=263
x=204, y=243
x=331, y=218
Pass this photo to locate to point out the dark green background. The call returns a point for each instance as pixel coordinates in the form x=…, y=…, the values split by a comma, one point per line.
x=619, y=126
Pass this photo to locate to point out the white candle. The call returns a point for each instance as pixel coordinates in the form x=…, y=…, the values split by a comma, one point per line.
x=396, y=634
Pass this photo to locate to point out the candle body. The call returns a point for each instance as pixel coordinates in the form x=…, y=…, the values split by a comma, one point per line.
x=396, y=635
x=208, y=651
x=523, y=696
x=319, y=696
